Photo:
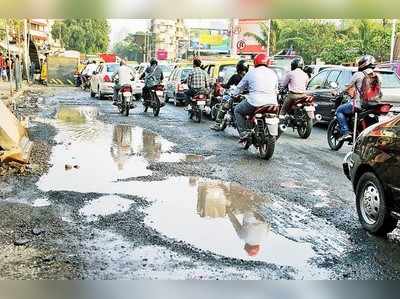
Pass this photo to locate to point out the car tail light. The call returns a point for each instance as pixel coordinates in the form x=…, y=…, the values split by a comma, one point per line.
x=106, y=78
x=384, y=108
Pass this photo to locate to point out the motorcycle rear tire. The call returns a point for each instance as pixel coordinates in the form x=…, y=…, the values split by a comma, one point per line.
x=156, y=105
x=267, y=149
x=196, y=116
x=305, y=131
x=333, y=135
x=126, y=110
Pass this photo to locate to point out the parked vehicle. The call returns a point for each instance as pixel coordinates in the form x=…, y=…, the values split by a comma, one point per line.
x=373, y=166
x=394, y=66
x=138, y=84
x=155, y=103
x=301, y=116
x=176, y=85
x=317, y=68
x=101, y=83
x=320, y=86
x=196, y=106
x=283, y=61
x=264, y=127
x=359, y=121
x=125, y=100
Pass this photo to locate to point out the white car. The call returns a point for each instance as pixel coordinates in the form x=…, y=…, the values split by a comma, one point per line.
x=101, y=83
x=138, y=84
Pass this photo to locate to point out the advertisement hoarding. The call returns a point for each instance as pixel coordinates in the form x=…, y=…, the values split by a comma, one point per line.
x=210, y=40
x=248, y=44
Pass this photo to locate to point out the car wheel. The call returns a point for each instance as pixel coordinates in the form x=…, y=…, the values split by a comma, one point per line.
x=166, y=97
x=372, y=206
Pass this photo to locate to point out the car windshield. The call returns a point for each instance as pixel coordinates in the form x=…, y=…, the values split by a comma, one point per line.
x=111, y=68
x=390, y=80
x=185, y=74
x=228, y=71
x=165, y=68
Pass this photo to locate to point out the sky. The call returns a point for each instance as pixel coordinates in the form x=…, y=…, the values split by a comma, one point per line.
x=121, y=27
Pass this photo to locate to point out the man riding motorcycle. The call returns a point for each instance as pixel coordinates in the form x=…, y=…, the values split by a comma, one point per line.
x=296, y=81
x=262, y=84
x=152, y=77
x=125, y=76
x=88, y=72
x=241, y=69
x=366, y=65
x=197, y=80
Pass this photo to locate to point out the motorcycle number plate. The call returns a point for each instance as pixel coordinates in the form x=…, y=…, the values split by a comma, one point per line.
x=309, y=108
x=126, y=94
x=201, y=103
x=159, y=93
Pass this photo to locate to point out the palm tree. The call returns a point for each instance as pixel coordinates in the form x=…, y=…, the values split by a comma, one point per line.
x=262, y=39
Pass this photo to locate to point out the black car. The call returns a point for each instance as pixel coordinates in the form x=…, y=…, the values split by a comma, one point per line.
x=373, y=166
x=322, y=88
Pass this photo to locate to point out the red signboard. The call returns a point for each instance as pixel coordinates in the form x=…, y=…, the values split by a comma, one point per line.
x=108, y=57
x=162, y=54
x=248, y=44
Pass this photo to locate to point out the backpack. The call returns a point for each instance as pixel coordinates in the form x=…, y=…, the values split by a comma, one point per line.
x=370, y=88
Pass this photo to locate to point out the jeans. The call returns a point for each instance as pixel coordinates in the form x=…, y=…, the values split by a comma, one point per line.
x=241, y=111
x=116, y=88
x=341, y=114
x=146, y=94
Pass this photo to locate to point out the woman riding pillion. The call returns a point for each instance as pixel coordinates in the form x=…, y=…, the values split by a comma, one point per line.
x=363, y=88
x=261, y=82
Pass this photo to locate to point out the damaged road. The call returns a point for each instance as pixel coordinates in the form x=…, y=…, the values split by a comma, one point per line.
x=138, y=197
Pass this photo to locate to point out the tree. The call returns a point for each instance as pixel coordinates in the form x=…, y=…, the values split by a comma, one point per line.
x=262, y=39
x=84, y=35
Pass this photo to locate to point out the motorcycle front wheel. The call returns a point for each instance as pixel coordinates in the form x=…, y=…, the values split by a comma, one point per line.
x=304, y=131
x=333, y=135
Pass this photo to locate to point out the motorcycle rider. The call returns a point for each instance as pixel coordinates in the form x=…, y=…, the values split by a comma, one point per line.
x=152, y=77
x=366, y=65
x=296, y=81
x=125, y=76
x=262, y=84
x=241, y=69
x=88, y=71
x=197, y=81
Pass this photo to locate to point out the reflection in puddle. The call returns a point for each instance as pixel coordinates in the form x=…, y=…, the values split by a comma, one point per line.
x=220, y=217
x=41, y=202
x=105, y=205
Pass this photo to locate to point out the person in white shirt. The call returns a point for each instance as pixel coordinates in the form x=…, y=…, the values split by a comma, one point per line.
x=125, y=75
x=88, y=71
x=262, y=84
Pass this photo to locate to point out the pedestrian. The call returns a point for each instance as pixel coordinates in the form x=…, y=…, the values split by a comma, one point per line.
x=2, y=66
x=8, y=73
x=43, y=72
x=32, y=71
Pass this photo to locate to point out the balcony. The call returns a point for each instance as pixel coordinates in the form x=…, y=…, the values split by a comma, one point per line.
x=40, y=35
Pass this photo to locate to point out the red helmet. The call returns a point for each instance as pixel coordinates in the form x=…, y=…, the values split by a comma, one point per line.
x=262, y=59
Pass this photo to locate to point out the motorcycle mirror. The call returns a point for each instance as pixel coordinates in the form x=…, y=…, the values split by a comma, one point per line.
x=333, y=85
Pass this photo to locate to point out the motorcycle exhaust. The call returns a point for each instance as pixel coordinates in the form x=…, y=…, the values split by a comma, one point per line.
x=318, y=117
x=283, y=127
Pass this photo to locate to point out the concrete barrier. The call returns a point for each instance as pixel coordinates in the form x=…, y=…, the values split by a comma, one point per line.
x=14, y=141
x=61, y=70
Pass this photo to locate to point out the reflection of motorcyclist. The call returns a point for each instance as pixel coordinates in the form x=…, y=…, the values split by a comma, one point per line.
x=151, y=146
x=152, y=77
x=296, y=81
x=121, y=147
x=262, y=85
x=252, y=230
x=125, y=76
x=366, y=65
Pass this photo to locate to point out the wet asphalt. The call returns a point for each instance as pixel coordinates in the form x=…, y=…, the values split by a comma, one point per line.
x=141, y=197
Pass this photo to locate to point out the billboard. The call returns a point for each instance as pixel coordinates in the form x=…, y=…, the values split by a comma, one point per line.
x=248, y=44
x=210, y=40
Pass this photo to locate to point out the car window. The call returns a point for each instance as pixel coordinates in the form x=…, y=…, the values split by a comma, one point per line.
x=389, y=80
x=228, y=71
x=111, y=68
x=344, y=79
x=318, y=81
x=185, y=74
x=176, y=74
x=332, y=77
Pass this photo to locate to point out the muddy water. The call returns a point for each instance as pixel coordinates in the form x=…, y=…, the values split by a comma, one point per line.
x=215, y=216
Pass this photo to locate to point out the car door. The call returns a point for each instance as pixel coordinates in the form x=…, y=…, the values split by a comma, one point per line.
x=170, y=88
x=326, y=105
x=315, y=88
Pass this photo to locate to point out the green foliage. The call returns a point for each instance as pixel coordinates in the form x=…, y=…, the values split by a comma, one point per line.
x=85, y=35
x=129, y=49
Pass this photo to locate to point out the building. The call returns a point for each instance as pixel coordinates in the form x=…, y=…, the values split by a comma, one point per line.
x=170, y=36
x=39, y=32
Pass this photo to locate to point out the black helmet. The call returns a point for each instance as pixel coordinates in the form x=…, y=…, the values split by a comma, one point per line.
x=242, y=66
x=365, y=62
x=298, y=62
x=196, y=62
x=153, y=61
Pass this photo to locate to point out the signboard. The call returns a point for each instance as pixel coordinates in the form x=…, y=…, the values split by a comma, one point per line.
x=248, y=44
x=162, y=54
x=210, y=40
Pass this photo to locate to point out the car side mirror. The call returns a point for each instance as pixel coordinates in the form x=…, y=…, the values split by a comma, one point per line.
x=333, y=85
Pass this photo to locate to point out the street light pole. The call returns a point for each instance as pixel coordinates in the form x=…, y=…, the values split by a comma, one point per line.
x=394, y=21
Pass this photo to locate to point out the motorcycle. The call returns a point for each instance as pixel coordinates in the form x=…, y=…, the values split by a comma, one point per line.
x=125, y=100
x=224, y=111
x=301, y=115
x=85, y=84
x=197, y=106
x=155, y=94
x=358, y=121
x=263, y=126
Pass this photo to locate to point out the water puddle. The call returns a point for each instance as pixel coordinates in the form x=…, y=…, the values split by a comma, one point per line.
x=91, y=153
x=105, y=205
x=41, y=202
x=220, y=217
